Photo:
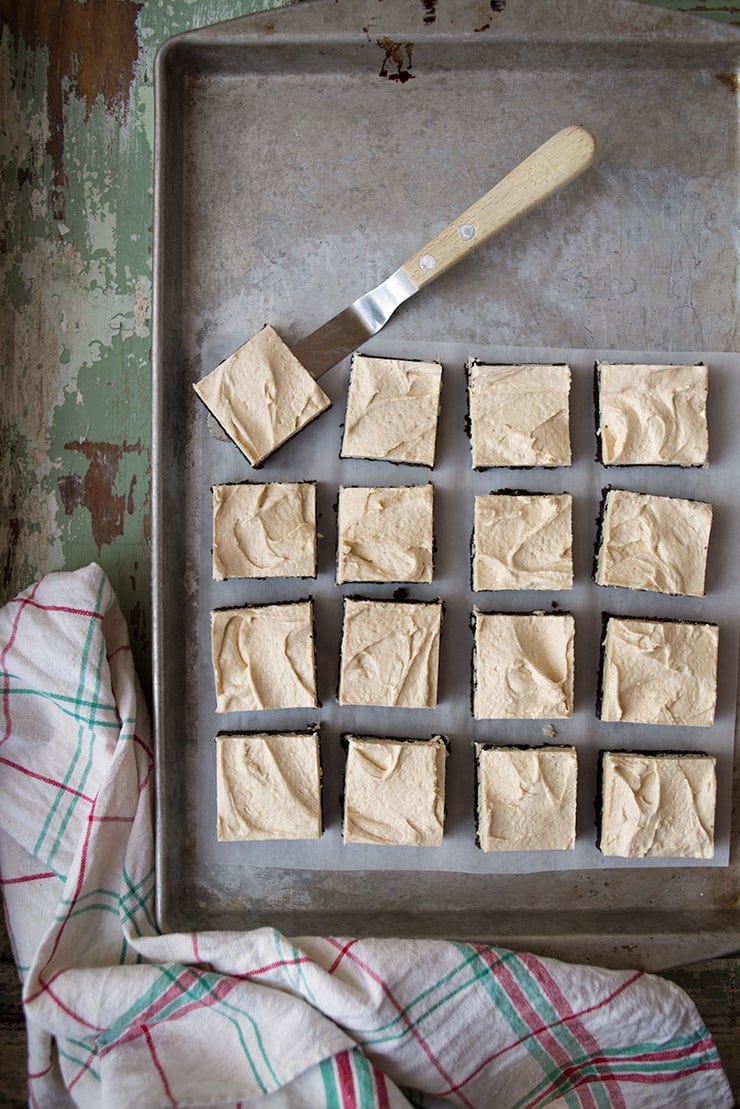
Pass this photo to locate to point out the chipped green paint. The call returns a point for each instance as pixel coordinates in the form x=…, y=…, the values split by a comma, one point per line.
x=75, y=273
x=76, y=99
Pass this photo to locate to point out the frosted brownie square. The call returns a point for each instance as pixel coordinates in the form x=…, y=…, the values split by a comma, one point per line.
x=268, y=786
x=659, y=672
x=263, y=657
x=264, y=531
x=392, y=410
x=519, y=415
x=526, y=798
x=652, y=415
x=523, y=665
x=658, y=805
x=390, y=653
x=385, y=534
x=654, y=543
x=394, y=791
x=261, y=395
x=523, y=541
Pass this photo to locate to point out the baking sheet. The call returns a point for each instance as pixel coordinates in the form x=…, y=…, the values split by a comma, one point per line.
x=301, y=156
x=314, y=455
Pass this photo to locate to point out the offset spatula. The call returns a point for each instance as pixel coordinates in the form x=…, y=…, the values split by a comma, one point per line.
x=554, y=164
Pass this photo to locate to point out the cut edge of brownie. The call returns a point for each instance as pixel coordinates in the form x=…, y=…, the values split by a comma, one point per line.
x=313, y=729
x=635, y=465
x=386, y=581
x=282, y=604
x=481, y=745
x=514, y=492
x=470, y=365
x=392, y=461
x=598, y=801
x=600, y=523
x=276, y=577
x=605, y=618
x=346, y=737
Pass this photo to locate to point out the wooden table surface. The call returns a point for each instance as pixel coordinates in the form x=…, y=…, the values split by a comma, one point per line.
x=75, y=265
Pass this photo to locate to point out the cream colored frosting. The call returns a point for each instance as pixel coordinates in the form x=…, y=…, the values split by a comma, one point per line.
x=523, y=666
x=385, y=534
x=526, y=798
x=392, y=410
x=658, y=672
x=261, y=395
x=390, y=653
x=519, y=415
x=523, y=541
x=653, y=415
x=394, y=791
x=658, y=805
x=263, y=657
x=268, y=786
x=264, y=531
x=656, y=543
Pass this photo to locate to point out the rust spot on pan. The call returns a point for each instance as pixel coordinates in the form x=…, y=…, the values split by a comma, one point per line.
x=730, y=80
x=497, y=6
x=95, y=492
x=430, y=10
x=400, y=55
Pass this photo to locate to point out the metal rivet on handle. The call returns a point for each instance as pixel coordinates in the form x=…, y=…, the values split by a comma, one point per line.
x=466, y=231
x=427, y=262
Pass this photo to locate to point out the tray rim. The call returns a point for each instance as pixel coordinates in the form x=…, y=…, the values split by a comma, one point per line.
x=630, y=21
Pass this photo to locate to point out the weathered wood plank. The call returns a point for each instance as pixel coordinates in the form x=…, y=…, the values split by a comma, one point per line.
x=713, y=987
x=12, y=1034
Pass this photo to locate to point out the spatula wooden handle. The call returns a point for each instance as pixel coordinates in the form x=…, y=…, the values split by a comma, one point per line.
x=554, y=164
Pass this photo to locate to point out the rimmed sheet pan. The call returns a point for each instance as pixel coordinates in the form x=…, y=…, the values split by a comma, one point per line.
x=300, y=157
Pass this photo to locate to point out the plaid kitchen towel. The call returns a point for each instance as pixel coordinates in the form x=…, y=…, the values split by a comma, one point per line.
x=119, y=1015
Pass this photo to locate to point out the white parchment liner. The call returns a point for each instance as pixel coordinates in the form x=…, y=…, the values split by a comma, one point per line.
x=314, y=455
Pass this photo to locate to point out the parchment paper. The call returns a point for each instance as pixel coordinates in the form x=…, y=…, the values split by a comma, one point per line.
x=314, y=455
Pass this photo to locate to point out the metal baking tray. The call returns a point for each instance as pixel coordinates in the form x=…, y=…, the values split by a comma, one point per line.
x=301, y=155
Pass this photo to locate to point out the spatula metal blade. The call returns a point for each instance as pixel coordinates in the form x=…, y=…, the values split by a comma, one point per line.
x=353, y=326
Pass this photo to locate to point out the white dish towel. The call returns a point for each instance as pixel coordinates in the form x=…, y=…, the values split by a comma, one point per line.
x=121, y=1016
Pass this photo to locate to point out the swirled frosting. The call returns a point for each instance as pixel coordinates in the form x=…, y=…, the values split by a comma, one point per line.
x=392, y=410
x=659, y=672
x=268, y=786
x=519, y=415
x=263, y=657
x=523, y=541
x=658, y=805
x=264, y=531
x=385, y=534
x=394, y=791
x=655, y=543
x=652, y=415
x=523, y=666
x=526, y=798
x=261, y=395
x=390, y=653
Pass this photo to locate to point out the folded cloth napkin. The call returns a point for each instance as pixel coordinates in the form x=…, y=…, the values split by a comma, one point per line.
x=120, y=1015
